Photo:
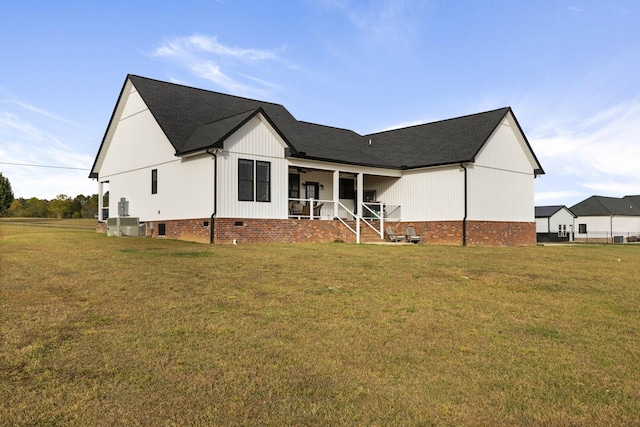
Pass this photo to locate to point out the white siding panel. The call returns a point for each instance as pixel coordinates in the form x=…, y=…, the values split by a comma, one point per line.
x=603, y=226
x=562, y=217
x=137, y=142
x=506, y=149
x=184, y=190
x=256, y=140
x=499, y=195
x=597, y=226
x=542, y=225
x=626, y=224
x=433, y=195
x=388, y=189
x=134, y=104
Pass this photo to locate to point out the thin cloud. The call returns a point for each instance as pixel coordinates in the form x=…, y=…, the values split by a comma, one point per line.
x=32, y=136
x=544, y=197
x=600, y=153
x=37, y=110
x=388, y=23
x=227, y=67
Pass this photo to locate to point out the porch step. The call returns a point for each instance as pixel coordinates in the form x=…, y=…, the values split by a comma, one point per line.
x=367, y=235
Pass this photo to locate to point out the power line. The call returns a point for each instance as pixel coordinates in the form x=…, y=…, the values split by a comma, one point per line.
x=43, y=166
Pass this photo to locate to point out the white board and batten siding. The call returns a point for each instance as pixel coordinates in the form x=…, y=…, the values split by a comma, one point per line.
x=604, y=226
x=501, y=180
x=435, y=194
x=258, y=141
x=138, y=146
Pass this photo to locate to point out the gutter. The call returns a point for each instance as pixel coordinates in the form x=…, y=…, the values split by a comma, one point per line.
x=464, y=220
x=214, y=153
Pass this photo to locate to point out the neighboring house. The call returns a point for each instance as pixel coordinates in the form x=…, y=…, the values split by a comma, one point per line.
x=554, y=224
x=607, y=219
x=205, y=166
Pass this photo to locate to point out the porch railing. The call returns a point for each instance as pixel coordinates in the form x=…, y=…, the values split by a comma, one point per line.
x=374, y=215
x=380, y=212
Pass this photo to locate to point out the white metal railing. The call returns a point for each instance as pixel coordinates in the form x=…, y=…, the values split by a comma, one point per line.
x=374, y=215
x=334, y=209
x=302, y=208
x=355, y=218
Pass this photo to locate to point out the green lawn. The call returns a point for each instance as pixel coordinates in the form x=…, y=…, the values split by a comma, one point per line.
x=132, y=331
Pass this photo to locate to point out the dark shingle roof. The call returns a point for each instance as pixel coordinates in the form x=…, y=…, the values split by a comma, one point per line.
x=548, y=211
x=605, y=206
x=449, y=141
x=196, y=119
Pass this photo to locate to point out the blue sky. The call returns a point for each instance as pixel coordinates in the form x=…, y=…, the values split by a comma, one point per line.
x=569, y=69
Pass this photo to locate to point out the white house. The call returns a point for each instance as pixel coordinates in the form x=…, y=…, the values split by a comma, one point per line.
x=607, y=219
x=201, y=165
x=554, y=223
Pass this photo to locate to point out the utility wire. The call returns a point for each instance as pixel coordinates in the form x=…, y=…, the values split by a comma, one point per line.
x=43, y=166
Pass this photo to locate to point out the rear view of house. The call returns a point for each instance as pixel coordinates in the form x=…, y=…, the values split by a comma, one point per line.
x=607, y=219
x=204, y=166
x=554, y=223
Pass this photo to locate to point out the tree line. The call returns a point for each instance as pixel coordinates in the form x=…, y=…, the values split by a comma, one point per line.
x=62, y=206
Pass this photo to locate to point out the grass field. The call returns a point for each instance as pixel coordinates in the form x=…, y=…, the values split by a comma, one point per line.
x=122, y=331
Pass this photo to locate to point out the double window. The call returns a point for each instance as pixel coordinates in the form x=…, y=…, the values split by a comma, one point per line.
x=254, y=180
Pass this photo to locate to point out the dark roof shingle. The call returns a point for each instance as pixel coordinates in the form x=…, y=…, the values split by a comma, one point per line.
x=196, y=119
x=549, y=211
x=605, y=206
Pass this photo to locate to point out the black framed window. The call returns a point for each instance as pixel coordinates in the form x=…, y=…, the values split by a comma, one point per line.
x=582, y=228
x=263, y=181
x=254, y=181
x=245, y=180
x=294, y=186
x=312, y=190
x=347, y=189
x=154, y=181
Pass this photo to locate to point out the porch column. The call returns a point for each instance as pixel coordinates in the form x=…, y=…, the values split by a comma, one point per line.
x=360, y=200
x=100, y=201
x=336, y=193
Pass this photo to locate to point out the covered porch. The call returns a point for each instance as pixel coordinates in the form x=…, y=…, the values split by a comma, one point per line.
x=355, y=198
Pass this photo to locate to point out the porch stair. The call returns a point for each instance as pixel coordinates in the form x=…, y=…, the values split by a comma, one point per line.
x=367, y=235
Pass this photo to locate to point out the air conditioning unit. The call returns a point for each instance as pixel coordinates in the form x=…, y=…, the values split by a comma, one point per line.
x=128, y=227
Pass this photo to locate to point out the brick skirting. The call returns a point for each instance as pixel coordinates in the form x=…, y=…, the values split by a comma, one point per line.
x=487, y=233
x=243, y=230
x=479, y=233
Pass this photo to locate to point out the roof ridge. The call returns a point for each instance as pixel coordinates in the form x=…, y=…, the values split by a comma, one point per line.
x=304, y=122
x=441, y=121
x=206, y=90
x=251, y=110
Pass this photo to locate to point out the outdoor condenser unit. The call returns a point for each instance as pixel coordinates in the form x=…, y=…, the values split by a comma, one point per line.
x=128, y=227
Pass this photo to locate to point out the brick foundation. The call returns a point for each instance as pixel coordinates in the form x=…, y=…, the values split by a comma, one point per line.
x=479, y=233
x=486, y=233
x=192, y=230
x=243, y=230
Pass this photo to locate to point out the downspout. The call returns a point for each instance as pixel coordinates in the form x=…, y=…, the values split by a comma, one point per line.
x=215, y=192
x=611, y=228
x=464, y=220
